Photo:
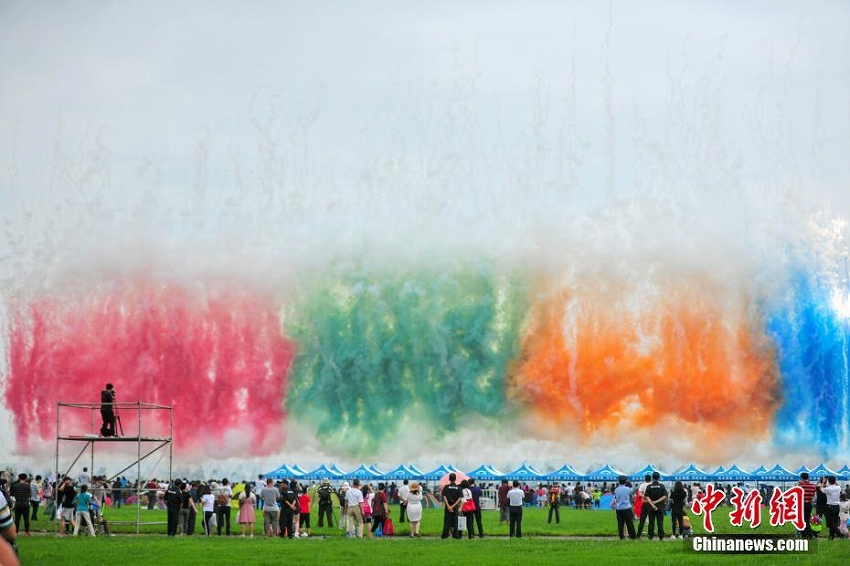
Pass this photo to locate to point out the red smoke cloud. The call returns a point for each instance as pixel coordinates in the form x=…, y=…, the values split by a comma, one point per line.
x=217, y=356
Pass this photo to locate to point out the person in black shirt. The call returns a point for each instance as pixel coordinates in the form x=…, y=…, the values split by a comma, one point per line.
x=289, y=502
x=107, y=398
x=326, y=506
x=678, y=498
x=451, y=503
x=655, y=496
x=66, y=494
x=173, y=502
x=20, y=490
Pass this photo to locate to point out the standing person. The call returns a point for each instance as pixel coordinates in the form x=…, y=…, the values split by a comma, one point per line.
x=84, y=479
x=187, y=507
x=107, y=413
x=82, y=501
x=8, y=550
x=20, y=490
x=414, y=508
x=451, y=504
x=247, y=515
x=304, y=502
x=678, y=497
x=403, y=492
x=820, y=499
x=271, y=510
x=554, y=496
x=515, y=500
x=623, y=506
x=49, y=500
x=353, y=511
x=467, y=506
x=66, y=494
x=504, y=488
x=643, y=509
x=476, y=497
x=289, y=501
x=343, y=506
x=222, y=506
x=843, y=514
x=173, y=502
x=35, y=496
x=326, y=505
x=208, y=506
x=380, y=508
x=832, y=492
x=656, y=496
x=809, y=491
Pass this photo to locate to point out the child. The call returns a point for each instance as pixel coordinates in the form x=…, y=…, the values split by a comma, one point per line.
x=304, y=516
x=687, y=531
x=843, y=514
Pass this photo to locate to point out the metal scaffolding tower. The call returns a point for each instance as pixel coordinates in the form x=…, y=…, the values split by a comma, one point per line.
x=146, y=446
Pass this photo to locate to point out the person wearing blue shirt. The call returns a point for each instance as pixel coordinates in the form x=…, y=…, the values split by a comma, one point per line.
x=622, y=503
x=82, y=503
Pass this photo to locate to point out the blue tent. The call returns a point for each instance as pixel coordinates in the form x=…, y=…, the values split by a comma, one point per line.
x=778, y=473
x=284, y=472
x=648, y=469
x=485, y=472
x=843, y=473
x=802, y=469
x=733, y=473
x=756, y=474
x=822, y=471
x=337, y=471
x=438, y=473
x=526, y=472
x=417, y=473
x=605, y=473
x=298, y=469
x=363, y=472
x=565, y=473
x=690, y=473
x=323, y=472
x=402, y=472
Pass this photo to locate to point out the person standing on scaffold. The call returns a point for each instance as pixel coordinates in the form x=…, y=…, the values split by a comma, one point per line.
x=107, y=398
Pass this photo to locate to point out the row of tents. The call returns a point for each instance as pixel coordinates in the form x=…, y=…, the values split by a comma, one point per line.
x=566, y=473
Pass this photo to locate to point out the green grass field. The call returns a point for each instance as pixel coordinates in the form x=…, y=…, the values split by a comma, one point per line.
x=582, y=536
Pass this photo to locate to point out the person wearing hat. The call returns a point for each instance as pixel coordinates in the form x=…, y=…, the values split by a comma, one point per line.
x=326, y=506
x=622, y=504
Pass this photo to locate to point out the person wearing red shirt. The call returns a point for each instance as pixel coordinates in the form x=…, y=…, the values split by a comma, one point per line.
x=809, y=491
x=304, y=515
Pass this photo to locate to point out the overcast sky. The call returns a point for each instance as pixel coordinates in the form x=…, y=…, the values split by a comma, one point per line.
x=164, y=134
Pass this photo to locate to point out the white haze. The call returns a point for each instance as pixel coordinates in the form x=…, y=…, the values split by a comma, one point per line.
x=271, y=142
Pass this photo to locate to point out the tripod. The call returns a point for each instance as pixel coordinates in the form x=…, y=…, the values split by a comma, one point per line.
x=119, y=431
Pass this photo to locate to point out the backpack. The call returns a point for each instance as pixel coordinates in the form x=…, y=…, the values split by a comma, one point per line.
x=222, y=499
x=325, y=493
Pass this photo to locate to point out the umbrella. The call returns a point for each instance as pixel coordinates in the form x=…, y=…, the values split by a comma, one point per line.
x=444, y=481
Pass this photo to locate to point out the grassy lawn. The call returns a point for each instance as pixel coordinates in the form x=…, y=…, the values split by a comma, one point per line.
x=591, y=538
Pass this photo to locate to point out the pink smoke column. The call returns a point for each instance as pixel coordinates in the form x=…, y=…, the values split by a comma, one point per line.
x=217, y=356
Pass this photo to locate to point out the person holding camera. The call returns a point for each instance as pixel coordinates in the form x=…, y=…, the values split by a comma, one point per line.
x=107, y=398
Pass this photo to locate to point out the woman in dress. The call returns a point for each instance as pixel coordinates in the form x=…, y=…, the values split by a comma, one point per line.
x=208, y=503
x=414, y=509
x=246, y=515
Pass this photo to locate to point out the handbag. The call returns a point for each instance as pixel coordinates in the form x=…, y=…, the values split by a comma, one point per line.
x=468, y=505
x=461, y=523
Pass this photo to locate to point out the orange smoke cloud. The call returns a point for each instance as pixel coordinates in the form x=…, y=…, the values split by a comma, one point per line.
x=601, y=359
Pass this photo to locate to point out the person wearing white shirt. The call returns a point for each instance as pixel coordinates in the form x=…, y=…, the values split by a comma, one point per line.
x=833, y=494
x=515, y=499
x=403, y=494
x=353, y=510
x=84, y=479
